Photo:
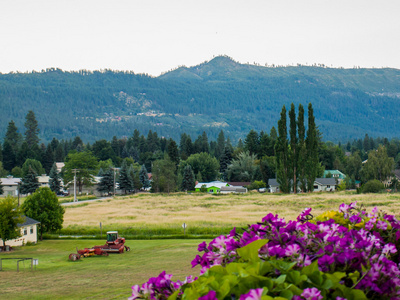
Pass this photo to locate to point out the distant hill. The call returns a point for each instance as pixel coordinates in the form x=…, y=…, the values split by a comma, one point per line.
x=218, y=94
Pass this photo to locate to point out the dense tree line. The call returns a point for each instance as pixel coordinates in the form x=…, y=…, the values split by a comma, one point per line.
x=294, y=153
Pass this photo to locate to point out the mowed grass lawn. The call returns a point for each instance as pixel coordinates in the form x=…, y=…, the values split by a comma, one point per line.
x=94, y=277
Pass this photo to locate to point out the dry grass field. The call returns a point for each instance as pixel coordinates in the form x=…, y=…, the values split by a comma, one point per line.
x=197, y=210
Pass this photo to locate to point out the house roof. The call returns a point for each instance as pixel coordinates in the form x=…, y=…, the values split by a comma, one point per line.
x=43, y=179
x=28, y=222
x=334, y=172
x=325, y=181
x=217, y=184
x=273, y=182
x=10, y=181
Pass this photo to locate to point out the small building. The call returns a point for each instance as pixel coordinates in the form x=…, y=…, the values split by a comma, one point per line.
x=233, y=189
x=43, y=180
x=28, y=233
x=324, y=185
x=59, y=166
x=213, y=187
x=10, y=186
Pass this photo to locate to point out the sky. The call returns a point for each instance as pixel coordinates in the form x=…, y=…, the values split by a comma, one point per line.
x=155, y=36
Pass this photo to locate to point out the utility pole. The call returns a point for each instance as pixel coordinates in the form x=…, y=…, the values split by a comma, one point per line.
x=75, y=170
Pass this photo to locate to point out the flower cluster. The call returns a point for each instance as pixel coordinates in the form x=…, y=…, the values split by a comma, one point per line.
x=349, y=240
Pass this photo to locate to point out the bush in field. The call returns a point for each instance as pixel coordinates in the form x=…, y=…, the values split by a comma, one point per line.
x=344, y=254
x=373, y=186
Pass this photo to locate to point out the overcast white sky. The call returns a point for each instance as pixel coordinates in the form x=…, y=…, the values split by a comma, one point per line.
x=153, y=36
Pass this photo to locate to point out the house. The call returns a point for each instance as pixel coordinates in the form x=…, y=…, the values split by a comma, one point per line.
x=339, y=176
x=10, y=186
x=28, y=233
x=320, y=185
x=213, y=187
x=59, y=166
x=324, y=185
x=43, y=180
x=233, y=189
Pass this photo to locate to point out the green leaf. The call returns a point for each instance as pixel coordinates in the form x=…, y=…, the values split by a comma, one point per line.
x=308, y=270
x=250, y=251
x=224, y=290
x=281, y=279
x=287, y=294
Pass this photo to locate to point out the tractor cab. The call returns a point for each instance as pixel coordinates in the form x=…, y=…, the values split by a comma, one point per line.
x=112, y=237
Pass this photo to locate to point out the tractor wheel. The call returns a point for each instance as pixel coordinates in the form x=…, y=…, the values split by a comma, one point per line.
x=127, y=248
x=74, y=257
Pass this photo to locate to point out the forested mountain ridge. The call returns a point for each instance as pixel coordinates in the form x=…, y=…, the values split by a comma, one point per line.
x=219, y=94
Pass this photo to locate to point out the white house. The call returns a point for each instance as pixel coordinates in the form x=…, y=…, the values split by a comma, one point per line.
x=28, y=233
x=10, y=186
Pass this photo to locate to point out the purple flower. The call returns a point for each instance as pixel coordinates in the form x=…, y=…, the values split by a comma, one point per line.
x=202, y=247
x=135, y=292
x=381, y=225
x=212, y=295
x=355, y=219
x=254, y=294
x=312, y=294
x=325, y=262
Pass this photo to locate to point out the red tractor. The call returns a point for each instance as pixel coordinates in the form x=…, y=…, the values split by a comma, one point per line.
x=115, y=244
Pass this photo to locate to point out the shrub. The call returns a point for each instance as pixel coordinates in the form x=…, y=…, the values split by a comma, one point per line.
x=373, y=186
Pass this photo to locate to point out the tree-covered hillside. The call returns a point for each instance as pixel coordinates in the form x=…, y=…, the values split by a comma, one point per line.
x=215, y=95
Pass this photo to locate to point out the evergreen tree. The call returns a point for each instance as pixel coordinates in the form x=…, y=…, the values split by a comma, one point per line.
x=29, y=182
x=9, y=159
x=106, y=184
x=55, y=180
x=282, y=155
x=1, y=188
x=13, y=137
x=143, y=177
x=172, y=151
x=293, y=154
x=32, y=129
x=252, y=142
x=188, y=180
x=125, y=179
x=220, y=145
x=48, y=159
x=301, y=150
x=312, y=161
x=225, y=161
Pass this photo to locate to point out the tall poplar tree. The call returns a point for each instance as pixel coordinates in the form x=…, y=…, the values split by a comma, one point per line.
x=312, y=161
x=301, y=148
x=282, y=155
x=293, y=153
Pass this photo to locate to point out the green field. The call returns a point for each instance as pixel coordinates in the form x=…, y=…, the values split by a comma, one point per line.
x=95, y=277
